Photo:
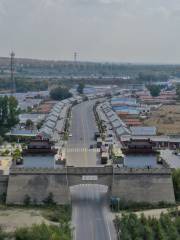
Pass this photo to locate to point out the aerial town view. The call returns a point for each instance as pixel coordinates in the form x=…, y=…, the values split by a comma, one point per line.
x=89, y=120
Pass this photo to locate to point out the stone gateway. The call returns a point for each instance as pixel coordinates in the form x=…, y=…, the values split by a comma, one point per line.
x=138, y=185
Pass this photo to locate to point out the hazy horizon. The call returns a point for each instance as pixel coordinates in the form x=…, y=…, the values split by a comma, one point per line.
x=114, y=31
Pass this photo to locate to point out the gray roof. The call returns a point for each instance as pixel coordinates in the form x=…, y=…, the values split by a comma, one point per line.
x=52, y=118
x=50, y=124
x=22, y=132
x=54, y=114
x=46, y=131
x=102, y=116
x=161, y=138
x=60, y=104
x=57, y=109
x=122, y=131
x=112, y=117
x=143, y=131
x=116, y=123
x=65, y=101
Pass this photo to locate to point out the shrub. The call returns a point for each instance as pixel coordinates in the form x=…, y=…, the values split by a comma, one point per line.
x=136, y=206
x=130, y=227
x=6, y=152
x=60, y=93
x=176, y=183
x=27, y=200
x=58, y=213
x=3, y=198
x=43, y=232
x=49, y=200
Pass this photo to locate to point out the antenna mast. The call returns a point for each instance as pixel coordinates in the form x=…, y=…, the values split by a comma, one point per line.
x=75, y=56
x=13, y=90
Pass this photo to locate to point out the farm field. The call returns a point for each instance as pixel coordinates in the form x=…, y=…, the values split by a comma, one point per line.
x=166, y=119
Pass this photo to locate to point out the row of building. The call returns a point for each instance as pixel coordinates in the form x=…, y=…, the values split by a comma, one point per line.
x=55, y=121
x=52, y=120
x=111, y=120
x=136, y=133
x=29, y=99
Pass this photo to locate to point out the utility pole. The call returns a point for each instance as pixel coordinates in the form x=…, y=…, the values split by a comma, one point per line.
x=75, y=63
x=13, y=90
x=75, y=56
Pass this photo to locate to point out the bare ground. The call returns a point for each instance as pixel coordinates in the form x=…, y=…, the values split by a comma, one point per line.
x=12, y=218
x=166, y=119
x=151, y=213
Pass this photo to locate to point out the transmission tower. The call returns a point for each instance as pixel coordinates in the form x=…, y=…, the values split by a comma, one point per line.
x=13, y=90
x=75, y=56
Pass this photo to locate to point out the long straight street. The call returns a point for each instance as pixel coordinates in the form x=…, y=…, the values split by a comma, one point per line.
x=83, y=127
x=91, y=216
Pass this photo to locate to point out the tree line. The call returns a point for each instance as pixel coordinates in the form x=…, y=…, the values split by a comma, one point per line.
x=24, y=85
x=176, y=183
x=132, y=227
x=8, y=113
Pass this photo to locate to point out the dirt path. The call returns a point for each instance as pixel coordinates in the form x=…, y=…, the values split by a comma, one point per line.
x=151, y=213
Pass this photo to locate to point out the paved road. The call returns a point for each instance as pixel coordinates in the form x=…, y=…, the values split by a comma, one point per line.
x=91, y=217
x=172, y=159
x=83, y=127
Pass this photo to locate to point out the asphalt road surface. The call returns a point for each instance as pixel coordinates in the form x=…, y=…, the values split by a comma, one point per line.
x=83, y=127
x=172, y=159
x=90, y=216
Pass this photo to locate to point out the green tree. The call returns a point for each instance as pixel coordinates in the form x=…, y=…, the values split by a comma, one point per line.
x=60, y=93
x=1, y=140
x=148, y=233
x=4, y=107
x=43, y=232
x=154, y=90
x=49, y=200
x=29, y=123
x=27, y=200
x=13, y=111
x=8, y=113
x=178, y=91
x=3, y=235
x=39, y=124
x=176, y=183
x=80, y=88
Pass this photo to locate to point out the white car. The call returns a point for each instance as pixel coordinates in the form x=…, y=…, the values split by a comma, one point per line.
x=70, y=135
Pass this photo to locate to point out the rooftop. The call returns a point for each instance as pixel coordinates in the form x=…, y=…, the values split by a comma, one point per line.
x=143, y=131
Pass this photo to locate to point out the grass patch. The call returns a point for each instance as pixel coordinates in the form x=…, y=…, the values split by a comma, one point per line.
x=138, y=206
x=57, y=213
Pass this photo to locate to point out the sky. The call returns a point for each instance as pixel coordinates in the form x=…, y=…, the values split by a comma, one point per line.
x=136, y=31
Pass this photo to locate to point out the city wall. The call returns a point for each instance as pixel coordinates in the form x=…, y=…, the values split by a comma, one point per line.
x=139, y=185
x=3, y=184
x=37, y=185
x=153, y=186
